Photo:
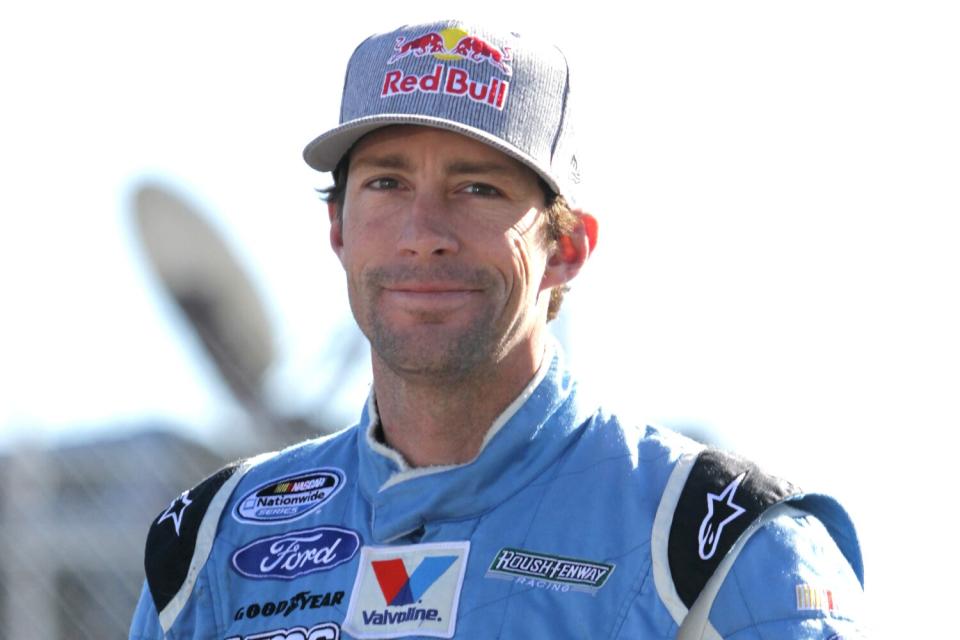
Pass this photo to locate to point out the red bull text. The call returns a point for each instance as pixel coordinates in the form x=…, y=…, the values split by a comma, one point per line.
x=456, y=83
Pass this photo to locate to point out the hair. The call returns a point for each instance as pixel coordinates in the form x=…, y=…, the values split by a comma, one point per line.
x=560, y=219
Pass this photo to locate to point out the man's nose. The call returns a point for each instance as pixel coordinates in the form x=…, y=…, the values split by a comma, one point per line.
x=426, y=229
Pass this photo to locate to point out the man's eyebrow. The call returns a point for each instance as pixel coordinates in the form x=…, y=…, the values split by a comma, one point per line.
x=457, y=167
x=393, y=161
x=470, y=166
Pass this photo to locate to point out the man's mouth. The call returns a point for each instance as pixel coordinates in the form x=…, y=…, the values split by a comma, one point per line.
x=429, y=295
x=431, y=287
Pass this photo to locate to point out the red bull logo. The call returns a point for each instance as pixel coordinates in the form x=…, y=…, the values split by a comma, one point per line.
x=453, y=44
x=448, y=45
x=476, y=50
x=427, y=43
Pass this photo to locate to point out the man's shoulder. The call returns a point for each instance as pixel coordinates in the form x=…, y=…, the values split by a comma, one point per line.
x=271, y=487
x=712, y=505
x=301, y=467
x=335, y=449
x=180, y=538
x=706, y=500
x=652, y=449
x=791, y=575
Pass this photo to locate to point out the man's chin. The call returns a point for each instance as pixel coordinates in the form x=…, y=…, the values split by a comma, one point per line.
x=432, y=349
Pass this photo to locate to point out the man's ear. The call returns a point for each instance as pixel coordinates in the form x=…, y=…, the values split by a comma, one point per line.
x=336, y=229
x=571, y=251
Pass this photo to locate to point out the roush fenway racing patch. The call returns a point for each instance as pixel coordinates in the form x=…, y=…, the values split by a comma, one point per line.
x=530, y=568
x=407, y=590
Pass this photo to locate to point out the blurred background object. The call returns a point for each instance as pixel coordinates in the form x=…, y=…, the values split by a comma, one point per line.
x=73, y=518
x=208, y=285
x=72, y=524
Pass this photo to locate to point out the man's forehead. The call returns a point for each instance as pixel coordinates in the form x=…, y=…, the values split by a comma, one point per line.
x=396, y=147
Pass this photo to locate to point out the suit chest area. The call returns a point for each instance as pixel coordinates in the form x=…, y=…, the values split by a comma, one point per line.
x=530, y=568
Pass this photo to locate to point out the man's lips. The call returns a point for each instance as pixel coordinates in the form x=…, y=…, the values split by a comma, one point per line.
x=433, y=295
x=431, y=288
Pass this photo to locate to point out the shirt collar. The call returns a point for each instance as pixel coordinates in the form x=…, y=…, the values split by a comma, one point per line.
x=519, y=447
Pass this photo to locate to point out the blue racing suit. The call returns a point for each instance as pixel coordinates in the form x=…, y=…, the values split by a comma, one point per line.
x=567, y=524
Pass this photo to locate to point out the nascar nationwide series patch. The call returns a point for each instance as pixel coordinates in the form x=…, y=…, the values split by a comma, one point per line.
x=289, y=498
x=531, y=569
x=407, y=590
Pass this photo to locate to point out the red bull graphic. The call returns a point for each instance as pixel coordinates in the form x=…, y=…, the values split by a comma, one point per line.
x=449, y=45
x=427, y=43
x=477, y=50
x=453, y=44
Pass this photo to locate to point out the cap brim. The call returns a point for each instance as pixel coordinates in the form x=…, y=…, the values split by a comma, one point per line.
x=325, y=151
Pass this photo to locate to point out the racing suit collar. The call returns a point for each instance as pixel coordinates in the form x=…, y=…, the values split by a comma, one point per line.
x=520, y=446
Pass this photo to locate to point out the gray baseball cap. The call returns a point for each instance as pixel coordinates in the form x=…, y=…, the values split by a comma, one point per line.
x=503, y=89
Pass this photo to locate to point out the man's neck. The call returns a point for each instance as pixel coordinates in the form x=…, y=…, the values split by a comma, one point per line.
x=441, y=422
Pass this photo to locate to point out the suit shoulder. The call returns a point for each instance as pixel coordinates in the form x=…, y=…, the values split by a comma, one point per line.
x=712, y=504
x=646, y=443
x=272, y=487
x=330, y=447
x=334, y=451
x=296, y=481
x=791, y=575
x=181, y=536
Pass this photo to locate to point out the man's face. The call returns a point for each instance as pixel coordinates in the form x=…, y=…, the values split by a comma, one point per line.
x=443, y=247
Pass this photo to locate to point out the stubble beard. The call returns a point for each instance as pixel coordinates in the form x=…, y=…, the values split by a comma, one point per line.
x=432, y=349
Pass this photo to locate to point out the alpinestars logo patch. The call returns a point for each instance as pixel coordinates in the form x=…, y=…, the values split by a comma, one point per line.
x=721, y=511
x=175, y=510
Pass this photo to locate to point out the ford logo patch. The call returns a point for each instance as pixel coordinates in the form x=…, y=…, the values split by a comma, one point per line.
x=290, y=497
x=296, y=553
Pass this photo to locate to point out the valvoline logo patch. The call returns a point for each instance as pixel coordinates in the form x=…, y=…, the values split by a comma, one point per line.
x=398, y=588
x=450, y=45
x=288, y=498
x=407, y=590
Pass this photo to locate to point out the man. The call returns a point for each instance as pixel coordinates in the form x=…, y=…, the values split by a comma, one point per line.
x=481, y=495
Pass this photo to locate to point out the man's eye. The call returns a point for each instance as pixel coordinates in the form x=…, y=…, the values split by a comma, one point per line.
x=481, y=189
x=382, y=183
